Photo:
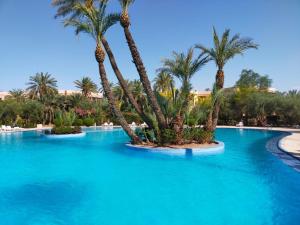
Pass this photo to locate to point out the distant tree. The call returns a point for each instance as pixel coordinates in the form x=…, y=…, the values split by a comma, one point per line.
x=86, y=85
x=163, y=82
x=17, y=94
x=251, y=79
x=41, y=85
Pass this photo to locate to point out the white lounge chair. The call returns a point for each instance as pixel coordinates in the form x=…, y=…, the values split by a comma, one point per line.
x=105, y=124
x=8, y=128
x=111, y=124
x=240, y=124
x=16, y=128
x=3, y=128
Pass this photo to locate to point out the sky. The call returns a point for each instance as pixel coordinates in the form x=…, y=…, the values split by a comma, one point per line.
x=32, y=41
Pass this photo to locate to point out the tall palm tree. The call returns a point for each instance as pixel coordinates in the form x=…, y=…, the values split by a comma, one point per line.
x=163, y=82
x=86, y=85
x=184, y=67
x=66, y=7
x=95, y=22
x=40, y=85
x=125, y=22
x=223, y=50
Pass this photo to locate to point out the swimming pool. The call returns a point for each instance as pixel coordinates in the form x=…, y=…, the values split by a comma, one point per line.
x=95, y=180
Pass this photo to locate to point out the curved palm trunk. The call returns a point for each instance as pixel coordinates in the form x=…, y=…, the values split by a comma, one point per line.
x=144, y=78
x=112, y=103
x=213, y=116
x=124, y=85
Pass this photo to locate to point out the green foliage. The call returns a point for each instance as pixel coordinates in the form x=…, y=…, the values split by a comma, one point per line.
x=145, y=134
x=260, y=108
x=88, y=122
x=41, y=85
x=132, y=117
x=64, y=119
x=168, y=136
x=250, y=79
x=86, y=85
x=78, y=122
x=65, y=130
x=198, y=135
x=226, y=48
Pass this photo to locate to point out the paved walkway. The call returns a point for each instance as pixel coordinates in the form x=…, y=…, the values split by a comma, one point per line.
x=291, y=144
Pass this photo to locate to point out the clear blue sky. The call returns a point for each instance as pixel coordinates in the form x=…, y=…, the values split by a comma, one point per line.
x=31, y=40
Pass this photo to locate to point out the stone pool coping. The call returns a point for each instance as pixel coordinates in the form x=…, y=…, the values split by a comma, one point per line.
x=207, y=150
x=289, y=143
x=56, y=136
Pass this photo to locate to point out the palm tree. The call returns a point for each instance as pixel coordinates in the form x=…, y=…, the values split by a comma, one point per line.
x=163, y=82
x=41, y=84
x=17, y=94
x=224, y=49
x=95, y=22
x=125, y=22
x=184, y=67
x=86, y=85
x=66, y=7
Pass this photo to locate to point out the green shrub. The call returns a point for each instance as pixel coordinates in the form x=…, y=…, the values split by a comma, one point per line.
x=20, y=122
x=198, y=135
x=203, y=136
x=65, y=130
x=132, y=117
x=169, y=136
x=88, y=122
x=58, y=122
x=78, y=122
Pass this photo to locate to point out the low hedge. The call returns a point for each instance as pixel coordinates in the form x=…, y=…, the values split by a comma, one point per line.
x=198, y=135
x=88, y=122
x=66, y=130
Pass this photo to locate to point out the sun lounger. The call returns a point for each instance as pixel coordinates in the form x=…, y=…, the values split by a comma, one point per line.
x=240, y=124
x=3, y=128
x=8, y=128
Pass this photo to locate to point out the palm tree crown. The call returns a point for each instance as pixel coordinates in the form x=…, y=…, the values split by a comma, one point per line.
x=17, y=94
x=226, y=48
x=66, y=7
x=86, y=85
x=184, y=66
x=163, y=82
x=125, y=4
x=95, y=21
x=41, y=84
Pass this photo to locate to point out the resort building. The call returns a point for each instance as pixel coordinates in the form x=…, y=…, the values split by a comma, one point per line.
x=3, y=95
x=199, y=96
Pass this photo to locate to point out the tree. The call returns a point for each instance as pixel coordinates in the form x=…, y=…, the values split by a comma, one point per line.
x=66, y=7
x=40, y=85
x=86, y=85
x=17, y=94
x=153, y=102
x=251, y=79
x=223, y=50
x=95, y=22
x=164, y=82
x=184, y=67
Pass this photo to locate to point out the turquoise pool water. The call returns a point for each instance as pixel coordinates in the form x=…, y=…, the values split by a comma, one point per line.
x=95, y=180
